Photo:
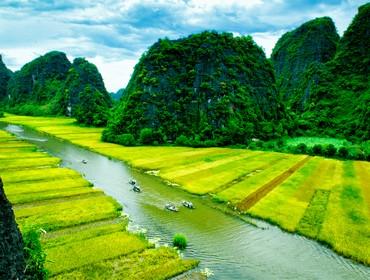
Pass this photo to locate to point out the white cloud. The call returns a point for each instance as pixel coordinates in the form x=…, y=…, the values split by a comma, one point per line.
x=113, y=34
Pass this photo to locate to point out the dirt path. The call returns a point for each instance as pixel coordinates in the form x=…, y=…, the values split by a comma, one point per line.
x=256, y=196
x=247, y=174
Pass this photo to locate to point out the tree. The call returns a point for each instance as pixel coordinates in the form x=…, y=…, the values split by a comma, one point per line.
x=92, y=108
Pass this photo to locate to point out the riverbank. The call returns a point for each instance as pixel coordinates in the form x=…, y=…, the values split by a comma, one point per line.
x=83, y=230
x=323, y=199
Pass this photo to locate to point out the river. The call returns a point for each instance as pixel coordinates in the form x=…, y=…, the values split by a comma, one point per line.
x=226, y=245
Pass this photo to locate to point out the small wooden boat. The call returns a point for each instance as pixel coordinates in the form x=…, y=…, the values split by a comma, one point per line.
x=171, y=207
x=136, y=188
x=188, y=204
x=132, y=182
x=84, y=161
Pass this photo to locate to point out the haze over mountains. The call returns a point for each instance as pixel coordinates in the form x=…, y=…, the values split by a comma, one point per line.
x=216, y=87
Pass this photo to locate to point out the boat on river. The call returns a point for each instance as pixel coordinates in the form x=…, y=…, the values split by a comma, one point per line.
x=188, y=204
x=132, y=182
x=84, y=161
x=136, y=188
x=171, y=207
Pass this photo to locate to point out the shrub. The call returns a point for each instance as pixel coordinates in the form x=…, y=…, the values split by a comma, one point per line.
x=343, y=152
x=146, y=136
x=182, y=140
x=108, y=136
x=317, y=150
x=126, y=139
x=179, y=241
x=301, y=148
x=330, y=150
x=34, y=255
x=1, y=114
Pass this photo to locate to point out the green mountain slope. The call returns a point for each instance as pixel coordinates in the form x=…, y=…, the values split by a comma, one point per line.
x=339, y=104
x=297, y=51
x=83, y=94
x=5, y=75
x=208, y=86
x=51, y=85
x=38, y=80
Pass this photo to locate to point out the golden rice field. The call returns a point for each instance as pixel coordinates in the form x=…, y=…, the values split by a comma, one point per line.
x=324, y=199
x=85, y=234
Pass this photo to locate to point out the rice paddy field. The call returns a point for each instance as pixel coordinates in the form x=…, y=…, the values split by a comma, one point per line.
x=84, y=231
x=324, y=199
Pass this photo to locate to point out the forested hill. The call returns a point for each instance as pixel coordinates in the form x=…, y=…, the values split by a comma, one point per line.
x=5, y=75
x=206, y=87
x=339, y=99
x=51, y=85
x=312, y=43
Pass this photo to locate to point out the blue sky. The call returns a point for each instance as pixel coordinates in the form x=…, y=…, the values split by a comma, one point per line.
x=113, y=34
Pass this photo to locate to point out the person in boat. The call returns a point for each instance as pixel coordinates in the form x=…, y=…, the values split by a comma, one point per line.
x=132, y=182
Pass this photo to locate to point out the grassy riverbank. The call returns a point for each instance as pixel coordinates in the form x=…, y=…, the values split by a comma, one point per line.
x=324, y=199
x=85, y=234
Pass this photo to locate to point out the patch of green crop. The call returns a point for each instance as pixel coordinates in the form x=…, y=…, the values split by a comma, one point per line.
x=159, y=264
x=51, y=215
x=313, y=218
x=92, y=250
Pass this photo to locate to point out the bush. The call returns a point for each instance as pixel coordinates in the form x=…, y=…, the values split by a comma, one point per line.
x=330, y=150
x=179, y=241
x=301, y=148
x=343, y=152
x=182, y=140
x=1, y=114
x=34, y=255
x=146, y=136
x=126, y=139
x=108, y=136
x=317, y=150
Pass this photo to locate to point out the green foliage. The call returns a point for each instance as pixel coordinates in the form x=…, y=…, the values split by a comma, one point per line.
x=146, y=136
x=51, y=85
x=301, y=148
x=91, y=109
x=1, y=114
x=212, y=88
x=179, y=241
x=334, y=96
x=126, y=139
x=182, y=140
x=343, y=152
x=330, y=150
x=313, y=42
x=317, y=150
x=34, y=255
x=5, y=75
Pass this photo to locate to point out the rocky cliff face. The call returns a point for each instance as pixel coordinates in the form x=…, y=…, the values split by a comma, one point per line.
x=340, y=99
x=12, y=262
x=209, y=85
x=5, y=75
x=296, y=52
x=38, y=80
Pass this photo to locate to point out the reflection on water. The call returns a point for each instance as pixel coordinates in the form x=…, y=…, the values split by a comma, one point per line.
x=227, y=246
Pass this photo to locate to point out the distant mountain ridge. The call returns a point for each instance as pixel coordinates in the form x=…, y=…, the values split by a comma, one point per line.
x=211, y=86
x=50, y=84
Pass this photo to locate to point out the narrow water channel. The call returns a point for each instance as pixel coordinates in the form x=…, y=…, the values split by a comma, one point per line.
x=229, y=247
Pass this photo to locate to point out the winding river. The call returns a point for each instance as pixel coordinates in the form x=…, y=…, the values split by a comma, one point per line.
x=227, y=246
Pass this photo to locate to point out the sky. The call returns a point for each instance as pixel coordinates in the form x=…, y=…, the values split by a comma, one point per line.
x=113, y=34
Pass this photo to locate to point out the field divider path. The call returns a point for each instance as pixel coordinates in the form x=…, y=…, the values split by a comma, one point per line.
x=257, y=195
x=245, y=175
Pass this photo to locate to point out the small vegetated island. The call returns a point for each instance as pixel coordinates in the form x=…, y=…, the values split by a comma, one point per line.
x=303, y=114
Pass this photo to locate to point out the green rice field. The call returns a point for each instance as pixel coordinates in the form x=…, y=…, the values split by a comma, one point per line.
x=325, y=199
x=82, y=227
